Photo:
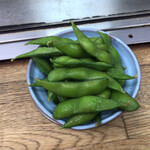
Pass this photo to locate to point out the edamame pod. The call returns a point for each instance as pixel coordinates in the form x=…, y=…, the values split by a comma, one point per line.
x=119, y=75
x=43, y=65
x=46, y=41
x=70, y=49
x=40, y=52
x=75, y=89
x=66, y=61
x=105, y=39
x=117, y=63
x=82, y=73
x=85, y=104
x=124, y=98
x=98, y=41
x=90, y=47
x=49, y=93
x=79, y=119
x=117, y=60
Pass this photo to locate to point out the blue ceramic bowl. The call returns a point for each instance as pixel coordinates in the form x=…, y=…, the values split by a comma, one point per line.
x=129, y=61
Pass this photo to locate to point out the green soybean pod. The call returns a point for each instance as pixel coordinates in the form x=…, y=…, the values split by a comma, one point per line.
x=98, y=41
x=43, y=65
x=85, y=104
x=71, y=49
x=118, y=74
x=90, y=47
x=117, y=60
x=78, y=119
x=40, y=52
x=116, y=57
x=46, y=41
x=66, y=61
x=49, y=93
x=117, y=64
x=124, y=98
x=74, y=89
x=105, y=38
x=82, y=73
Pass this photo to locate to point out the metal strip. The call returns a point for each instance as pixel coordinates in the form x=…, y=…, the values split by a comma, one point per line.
x=109, y=26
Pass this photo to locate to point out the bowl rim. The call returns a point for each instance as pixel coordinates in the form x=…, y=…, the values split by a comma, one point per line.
x=104, y=121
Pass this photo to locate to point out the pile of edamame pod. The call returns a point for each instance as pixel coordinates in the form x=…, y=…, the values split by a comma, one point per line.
x=83, y=77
